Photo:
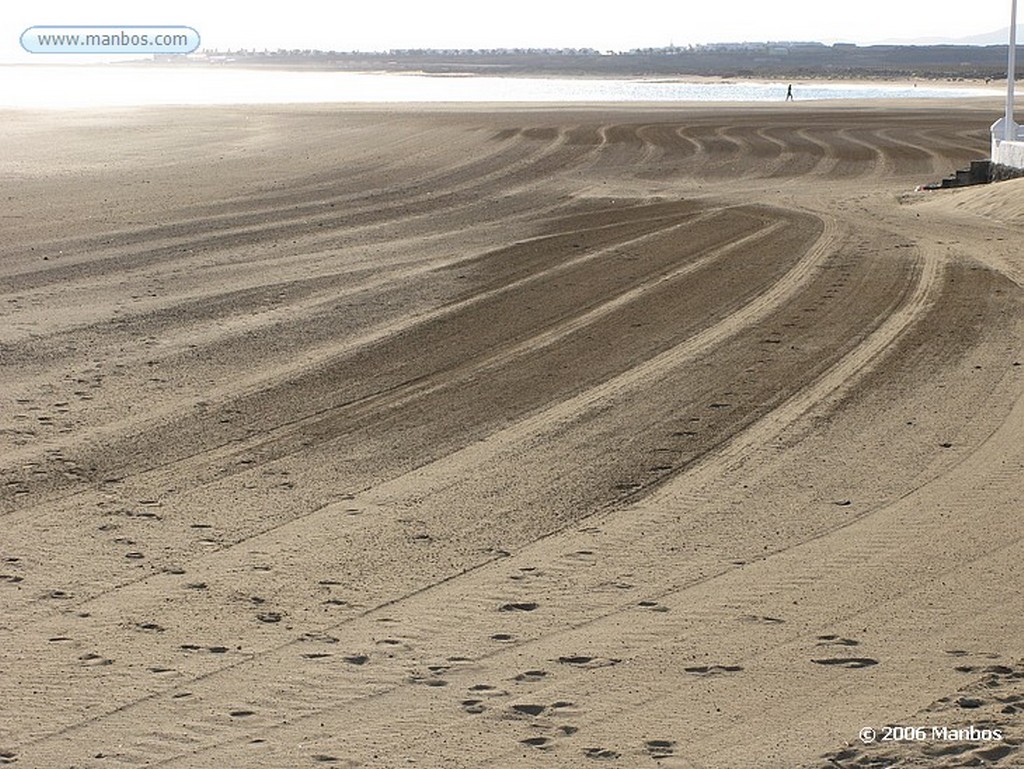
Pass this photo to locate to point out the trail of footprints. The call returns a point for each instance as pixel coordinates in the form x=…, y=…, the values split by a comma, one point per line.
x=993, y=702
x=548, y=723
x=847, y=661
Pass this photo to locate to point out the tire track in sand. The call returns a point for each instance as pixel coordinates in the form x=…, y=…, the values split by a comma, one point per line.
x=778, y=293
x=624, y=548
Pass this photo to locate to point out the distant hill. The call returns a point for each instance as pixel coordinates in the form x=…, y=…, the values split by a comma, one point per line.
x=999, y=37
x=729, y=60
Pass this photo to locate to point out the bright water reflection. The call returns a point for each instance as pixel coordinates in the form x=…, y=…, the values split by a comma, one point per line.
x=46, y=86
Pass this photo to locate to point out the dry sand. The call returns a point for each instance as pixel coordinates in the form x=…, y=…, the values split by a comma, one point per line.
x=673, y=437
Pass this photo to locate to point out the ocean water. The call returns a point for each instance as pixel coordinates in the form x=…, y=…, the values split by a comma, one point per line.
x=84, y=86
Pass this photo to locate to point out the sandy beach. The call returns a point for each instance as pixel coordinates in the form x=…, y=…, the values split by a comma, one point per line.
x=630, y=436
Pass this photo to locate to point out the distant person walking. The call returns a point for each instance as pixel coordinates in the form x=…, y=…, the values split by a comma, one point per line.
x=789, y=93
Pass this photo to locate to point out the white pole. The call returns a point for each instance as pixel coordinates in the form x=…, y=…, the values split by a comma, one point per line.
x=1009, y=131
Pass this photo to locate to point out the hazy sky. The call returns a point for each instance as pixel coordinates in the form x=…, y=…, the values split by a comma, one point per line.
x=382, y=24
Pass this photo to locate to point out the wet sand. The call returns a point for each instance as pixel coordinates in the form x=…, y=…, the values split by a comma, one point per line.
x=676, y=436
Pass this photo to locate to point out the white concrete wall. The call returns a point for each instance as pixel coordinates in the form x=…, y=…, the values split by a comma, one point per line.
x=1009, y=154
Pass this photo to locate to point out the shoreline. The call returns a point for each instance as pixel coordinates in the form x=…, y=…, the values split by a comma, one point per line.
x=58, y=86
x=500, y=72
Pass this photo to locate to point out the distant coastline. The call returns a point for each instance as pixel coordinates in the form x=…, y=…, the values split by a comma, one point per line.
x=741, y=61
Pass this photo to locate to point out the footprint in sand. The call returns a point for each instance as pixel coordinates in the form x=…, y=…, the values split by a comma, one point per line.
x=526, y=606
x=964, y=653
x=653, y=606
x=763, y=619
x=613, y=585
x=660, y=748
x=588, y=662
x=996, y=752
x=847, y=662
x=834, y=640
x=529, y=710
x=970, y=703
x=427, y=681
x=393, y=647
x=92, y=660
x=526, y=572
x=323, y=638
x=145, y=514
x=601, y=754
x=536, y=742
x=486, y=691
x=588, y=556
x=474, y=707
x=531, y=676
x=946, y=751
x=708, y=670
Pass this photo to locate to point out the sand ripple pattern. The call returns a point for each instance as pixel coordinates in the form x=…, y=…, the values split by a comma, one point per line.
x=532, y=438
